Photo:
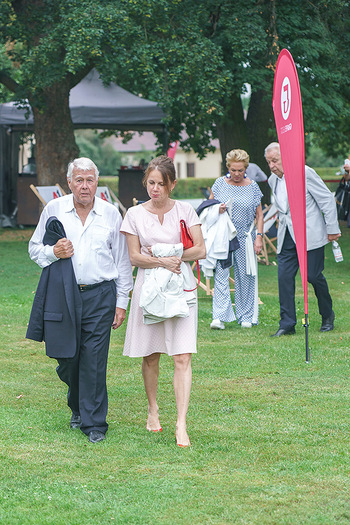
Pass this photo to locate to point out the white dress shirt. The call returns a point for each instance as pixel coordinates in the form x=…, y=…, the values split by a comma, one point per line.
x=281, y=194
x=100, y=250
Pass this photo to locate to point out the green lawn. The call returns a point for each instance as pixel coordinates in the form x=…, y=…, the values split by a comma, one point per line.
x=270, y=433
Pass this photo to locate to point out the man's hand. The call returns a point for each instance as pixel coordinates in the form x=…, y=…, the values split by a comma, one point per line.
x=63, y=249
x=333, y=236
x=118, y=318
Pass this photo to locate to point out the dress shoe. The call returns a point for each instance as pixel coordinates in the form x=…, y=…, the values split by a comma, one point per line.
x=75, y=421
x=284, y=331
x=328, y=323
x=216, y=324
x=95, y=436
x=246, y=324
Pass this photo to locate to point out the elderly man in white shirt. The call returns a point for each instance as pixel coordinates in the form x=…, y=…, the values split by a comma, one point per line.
x=321, y=227
x=103, y=275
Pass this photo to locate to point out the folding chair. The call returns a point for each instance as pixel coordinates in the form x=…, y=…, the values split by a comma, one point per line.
x=105, y=193
x=270, y=221
x=47, y=193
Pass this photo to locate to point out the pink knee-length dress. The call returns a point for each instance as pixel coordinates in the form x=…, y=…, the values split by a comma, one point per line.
x=177, y=335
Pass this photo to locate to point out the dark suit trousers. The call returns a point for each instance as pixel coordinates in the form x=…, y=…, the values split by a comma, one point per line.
x=85, y=374
x=288, y=266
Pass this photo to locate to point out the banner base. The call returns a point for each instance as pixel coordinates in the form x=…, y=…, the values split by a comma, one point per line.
x=308, y=352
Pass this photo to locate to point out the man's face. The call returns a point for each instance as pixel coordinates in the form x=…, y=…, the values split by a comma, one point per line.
x=273, y=158
x=83, y=186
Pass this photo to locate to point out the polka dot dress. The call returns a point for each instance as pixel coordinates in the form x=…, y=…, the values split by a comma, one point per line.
x=246, y=199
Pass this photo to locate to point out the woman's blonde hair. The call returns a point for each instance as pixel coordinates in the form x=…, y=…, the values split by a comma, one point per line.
x=237, y=155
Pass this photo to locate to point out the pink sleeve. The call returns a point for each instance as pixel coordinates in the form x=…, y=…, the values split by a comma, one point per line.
x=129, y=223
x=191, y=216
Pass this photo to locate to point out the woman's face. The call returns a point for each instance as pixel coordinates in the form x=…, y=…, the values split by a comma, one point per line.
x=157, y=189
x=237, y=171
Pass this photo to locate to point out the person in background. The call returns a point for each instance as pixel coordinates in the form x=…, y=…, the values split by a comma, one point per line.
x=321, y=227
x=342, y=194
x=346, y=169
x=254, y=172
x=241, y=197
x=82, y=293
x=150, y=226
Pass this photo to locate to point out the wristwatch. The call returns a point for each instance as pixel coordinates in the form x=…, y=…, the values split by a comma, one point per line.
x=260, y=234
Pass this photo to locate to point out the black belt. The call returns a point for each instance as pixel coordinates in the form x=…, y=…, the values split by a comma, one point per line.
x=83, y=287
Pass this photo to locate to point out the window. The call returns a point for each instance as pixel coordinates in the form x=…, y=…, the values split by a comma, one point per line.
x=190, y=169
x=178, y=170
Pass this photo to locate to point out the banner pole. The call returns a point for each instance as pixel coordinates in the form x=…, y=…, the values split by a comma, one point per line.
x=308, y=354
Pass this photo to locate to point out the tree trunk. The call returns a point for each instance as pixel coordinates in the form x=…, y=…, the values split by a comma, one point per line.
x=232, y=130
x=259, y=123
x=54, y=136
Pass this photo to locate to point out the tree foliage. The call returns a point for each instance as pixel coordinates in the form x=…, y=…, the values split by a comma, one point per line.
x=54, y=43
x=251, y=35
x=194, y=58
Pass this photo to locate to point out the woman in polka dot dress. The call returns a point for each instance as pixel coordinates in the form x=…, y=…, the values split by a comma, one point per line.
x=245, y=196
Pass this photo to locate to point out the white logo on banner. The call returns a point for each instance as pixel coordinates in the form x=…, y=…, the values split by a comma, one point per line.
x=285, y=98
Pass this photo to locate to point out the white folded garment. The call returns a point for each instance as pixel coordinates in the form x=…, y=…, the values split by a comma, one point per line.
x=218, y=230
x=162, y=293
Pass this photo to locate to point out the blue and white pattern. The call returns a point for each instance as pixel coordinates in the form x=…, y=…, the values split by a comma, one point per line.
x=246, y=199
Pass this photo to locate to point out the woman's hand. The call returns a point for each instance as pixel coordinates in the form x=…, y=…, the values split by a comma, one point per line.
x=222, y=208
x=172, y=263
x=258, y=244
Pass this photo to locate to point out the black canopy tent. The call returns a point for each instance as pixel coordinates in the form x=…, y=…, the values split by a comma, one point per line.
x=92, y=105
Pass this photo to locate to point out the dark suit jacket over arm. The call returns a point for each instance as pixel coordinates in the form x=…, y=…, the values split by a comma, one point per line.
x=56, y=313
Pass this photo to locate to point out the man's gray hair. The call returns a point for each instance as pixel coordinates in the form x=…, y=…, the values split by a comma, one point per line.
x=84, y=164
x=273, y=145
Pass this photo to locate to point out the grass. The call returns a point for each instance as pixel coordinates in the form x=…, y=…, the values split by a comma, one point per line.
x=270, y=433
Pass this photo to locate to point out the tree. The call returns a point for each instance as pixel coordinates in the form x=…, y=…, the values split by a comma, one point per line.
x=194, y=58
x=91, y=145
x=251, y=37
x=53, y=44
x=246, y=39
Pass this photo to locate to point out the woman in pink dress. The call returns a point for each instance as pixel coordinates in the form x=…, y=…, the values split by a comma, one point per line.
x=158, y=221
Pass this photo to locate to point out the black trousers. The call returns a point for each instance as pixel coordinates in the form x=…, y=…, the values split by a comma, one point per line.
x=288, y=265
x=85, y=373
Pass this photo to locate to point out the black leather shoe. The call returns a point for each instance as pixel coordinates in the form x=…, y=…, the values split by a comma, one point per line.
x=328, y=324
x=75, y=421
x=283, y=331
x=95, y=436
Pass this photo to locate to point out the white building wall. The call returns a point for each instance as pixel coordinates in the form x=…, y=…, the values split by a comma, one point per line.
x=209, y=167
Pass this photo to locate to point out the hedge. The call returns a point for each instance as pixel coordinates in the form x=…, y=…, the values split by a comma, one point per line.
x=191, y=188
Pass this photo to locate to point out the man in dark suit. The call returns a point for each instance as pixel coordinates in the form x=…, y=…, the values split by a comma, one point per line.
x=83, y=292
x=321, y=227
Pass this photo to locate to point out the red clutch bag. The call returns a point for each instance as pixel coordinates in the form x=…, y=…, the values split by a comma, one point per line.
x=187, y=242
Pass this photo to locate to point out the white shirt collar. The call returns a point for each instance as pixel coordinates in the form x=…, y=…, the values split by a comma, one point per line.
x=97, y=207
